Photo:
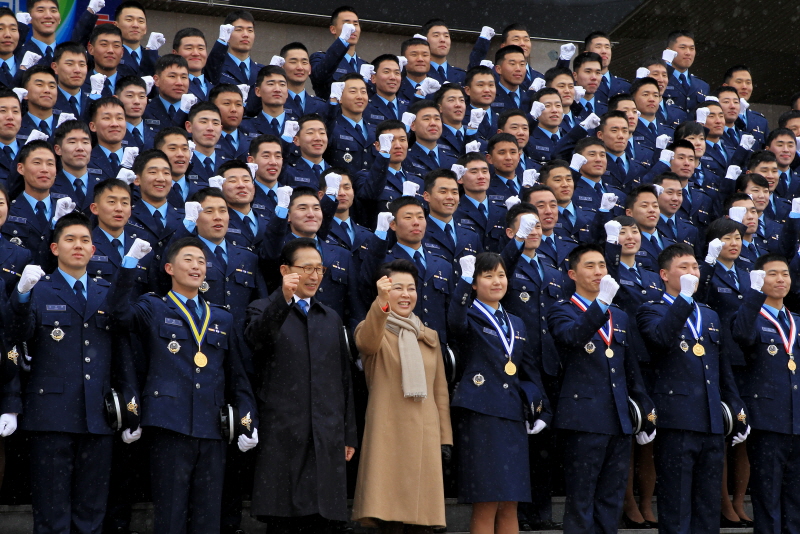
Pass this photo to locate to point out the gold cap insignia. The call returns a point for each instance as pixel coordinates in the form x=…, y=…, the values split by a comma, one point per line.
x=652, y=416
x=13, y=355
x=246, y=421
x=742, y=417
x=133, y=407
x=539, y=408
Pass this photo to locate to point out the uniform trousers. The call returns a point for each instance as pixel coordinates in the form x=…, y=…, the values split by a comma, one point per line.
x=774, y=481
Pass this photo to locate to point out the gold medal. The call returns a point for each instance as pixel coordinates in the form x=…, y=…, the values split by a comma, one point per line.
x=348, y=157
x=684, y=346
x=589, y=347
x=57, y=334
x=478, y=380
x=511, y=369
x=200, y=359
x=204, y=287
x=173, y=347
x=772, y=350
x=698, y=350
x=609, y=353
x=792, y=365
x=524, y=296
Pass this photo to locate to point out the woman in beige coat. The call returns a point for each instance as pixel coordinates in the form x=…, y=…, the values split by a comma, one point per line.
x=400, y=487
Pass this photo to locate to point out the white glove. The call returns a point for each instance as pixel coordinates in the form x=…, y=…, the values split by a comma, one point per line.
x=245, y=90
x=745, y=105
x=738, y=438
x=366, y=71
x=472, y=146
x=796, y=205
x=192, y=146
x=429, y=86
x=567, y=51
x=666, y=156
x=402, y=61
x=538, y=84
x=689, y=284
x=733, y=172
x=384, y=218
x=332, y=182
x=659, y=190
x=284, y=196
x=410, y=188
x=347, y=31
x=487, y=63
x=225, y=31
x=98, y=81
x=139, y=249
x=590, y=122
x=642, y=72
x=526, y=225
x=467, y=264
x=290, y=128
x=23, y=17
x=277, y=61
x=580, y=92
x=487, y=32
x=737, y=213
x=714, y=248
x=612, y=232
x=216, y=181
x=643, y=439
x=155, y=41
x=36, y=135
x=538, y=426
x=64, y=117
x=96, y=5
x=187, y=101
x=129, y=155
x=476, y=118
x=668, y=55
x=337, y=88
x=129, y=437
x=149, y=82
x=512, y=201
x=8, y=424
x=30, y=275
x=408, y=119
x=530, y=177
x=192, y=211
x=577, y=162
x=662, y=141
x=126, y=175
x=712, y=98
x=253, y=169
x=608, y=289
x=30, y=59
x=385, y=141
x=536, y=110
x=702, y=115
x=747, y=141
x=757, y=279
x=21, y=93
x=64, y=205
x=460, y=170
x=245, y=443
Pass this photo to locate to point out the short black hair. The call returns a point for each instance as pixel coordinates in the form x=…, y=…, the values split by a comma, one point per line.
x=525, y=194
x=636, y=192
x=544, y=91
x=341, y=171
x=777, y=132
x=689, y=128
x=502, y=137
x=469, y=157
x=232, y=164
x=103, y=101
x=638, y=83
x=68, y=126
x=502, y=52
x=577, y=253
x=74, y=218
x=587, y=42
x=784, y=119
x=732, y=199
x=759, y=157
x=201, y=194
x=725, y=89
x=391, y=124
x=400, y=202
x=439, y=95
x=302, y=191
x=68, y=47
x=613, y=102
x=554, y=72
x=36, y=69
x=223, y=88
x=269, y=70
x=29, y=147
x=414, y=41
x=502, y=120
x=586, y=57
x=667, y=175
x=295, y=45
x=158, y=142
x=547, y=168
x=432, y=176
x=513, y=27
x=184, y=33
x=260, y=140
x=769, y=258
x=397, y=266
x=585, y=143
x=425, y=28
x=145, y=157
x=681, y=143
x=201, y=106
x=107, y=185
x=104, y=29
x=289, y=251
x=678, y=250
x=384, y=57
x=722, y=227
x=477, y=71
x=676, y=34
x=342, y=9
x=419, y=105
x=127, y=81
x=733, y=70
x=612, y=115
x=520, y=208
x=182, y=243
x=488, y=261
x=169, y=60
x=128, y=4
x=626, y=220
x=240, y=14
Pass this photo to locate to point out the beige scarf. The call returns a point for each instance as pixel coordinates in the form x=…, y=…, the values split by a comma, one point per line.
x=408, y=332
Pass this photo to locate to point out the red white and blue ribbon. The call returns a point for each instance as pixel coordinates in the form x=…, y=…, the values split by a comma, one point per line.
x=695, y=328
x=788, y=344
x=608, y=337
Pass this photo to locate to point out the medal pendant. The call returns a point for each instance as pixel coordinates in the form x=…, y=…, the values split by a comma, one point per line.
x=699, y=350
x=524, y=296
x=200, y=359
x=204, y=287
x=589, y=347
x=684, y=346
x=57, y=334
x=173, y=347
x=511, y=368
x=772, y=350
x=792, y=365
x=609, y=353
x=478, y=380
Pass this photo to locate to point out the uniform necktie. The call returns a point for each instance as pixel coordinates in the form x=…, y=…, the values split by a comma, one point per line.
x=4, y=69
x=209, y=166
x=434, y=157
x=652, y=128
x=116, y=244
x=731, y=134
x=273, y=196
x=501, y=321
x=234, y=142
x=753, y=248
x=135, y=56
x=599, y=188
x=41, y=214
x=80, y=196
x=48, y=51
x=172, y=110
x=317, y=170
x=247, y=229
x=537, y=276
x=418, y=262
x=683, y=80
x=196, y=83
x=589, y=107
x=636, y=275
x=177, y=188
x=441, y=72
x=621, y=166
x=734, y=278
x=303, y=306
x=718, y=148
x=515, y=98
x=551, y=247
x=275, y=125
x=672, y=228
x=483, y=211
x=784, y=321
x=393, y=109
x=191, y=305
x=159, y=221
x=785, y=179
x=220, y=255
x=44, y=128
x=604, y=82
x=8, y=152
x=298, y=102
x=346, y=228
x=107, y=89
x=243, y=68
x=73, y=102
x=654, y=239
x=137, y=136
x=114, y=159
x=353, y=64
x=78, y=287
x=687, y=194
x=554, y=138
x=460, y=136
x=449, y=238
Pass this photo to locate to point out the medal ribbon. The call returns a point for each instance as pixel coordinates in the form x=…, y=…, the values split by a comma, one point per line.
x=509, y=345
x=696, y=329
x=788, y=344
x=607, y=337
x=199, y=336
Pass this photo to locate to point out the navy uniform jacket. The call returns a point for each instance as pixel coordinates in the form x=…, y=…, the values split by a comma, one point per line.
x=747, y=259
x=687, y=233
x=450, y=142
x=580, y=231
x=122, y=72
x=197, y=90
x=491, y=228
x=688, y=389
x=157, y=116
x=264, y=204
x=377, y=112
x=177, y=199
x=28, y=126
x=685, y=98
x=625, y=181
x=790, y=191
x=529, y=297
x=345, y=148
x=63, y=106
x=11, y=81
x=30, y=46
x=720, y=293
x=454, y=74
x=338, y=236
x=106, y=262
x=176, y=396
x=261, y=125
x=150, y=133
x=482, y=353
x=147, y=58
x=327, y=67
x=541, y=147
x=62, y=187
x=13, y=259
x=770, y=388
x=222, y=69
x=100, y=166
x=500, y=188
x=505, y=102
x=239, y=237
x=487, y=127
x=468, y=242
x=648, y=252
x=781, y=210
x=377, y=187
x=643, y=135
x=564, y=245
x=199, y=170
x=632, y=294
x=479, y=51
x=756, y=125
x=8, y=172
x=300, y=174
x=421, y=163
x=671, y=115
x=716, y=164
x=144, y=225
x=618, y=87
x=70, y=378
x=595, y=388
x=579, y=112
x=22, y=226
x=313, y=104
x=225, y=146
x=587, y=198
x=701, y=210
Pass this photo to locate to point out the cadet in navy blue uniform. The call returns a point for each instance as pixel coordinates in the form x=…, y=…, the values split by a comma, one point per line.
x=73, y=144
x=600, y=373
x=107, y=121
x=767, y=333
x=427, y=154
x=719, y=156
x=764, y=162
x=385, y=104
x=592, y=193
x=688, y=391
x=298, y=69
x=642, y=205
x=174, y=143
x=622, y=172
x=780, y=142
x=610, y=85
x=246, y=226
x=76, y=363
x=668, y=113
x=418, y=54
x=503, y=154
x=71, y=72
x=102, y=38
x=10, y=142
x=514, y=34
x=438, y=35
x=572, y=222
x=669, y=202
x=451, y=101
x=194, y=369
x=312, y=140
x=172, y=81
x=191, y=44
x=132, y=92
x=344, y=230
x=485, y=213
x=233, y=142
x=229, y=60
x=205, y=126
x=555, y=247
x=646, y=96
x=512, y=93
x=499, y=398
x=272, y=115
x=481, y=89
x=267, y=153
x=549, y=141
x=131, y=18
x=749, y=121
x=10, y=76
x=13, y=257
x=45, y=20
x=351, y=139
x=741, y=208
x=340, y=58
x=586, y=71
x=40, y=82
x=685, y=90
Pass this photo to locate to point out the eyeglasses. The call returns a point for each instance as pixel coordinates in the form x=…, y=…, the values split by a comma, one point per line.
x=308, y=269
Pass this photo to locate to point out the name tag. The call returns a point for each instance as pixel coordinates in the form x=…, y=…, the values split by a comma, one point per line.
x=346, y=137
x=431, y=245
x=768, y=329
x=154, y=122
x=724, y=290
x=377, y=117
x=341, y=71
x=626, y=282
x=95, y=171
x=234, y=231
x=641, y=253
x=21, y=220
x=175, y=322
x=100, y=258
x=638, y=138
x=259, y=207
x=55, y=307
x=497, y=197
x=57, y=195
x=520, y=275
x=467, y=221
x=587, y=199
x=543, y=148
x=301, y=179
x=489, y=331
